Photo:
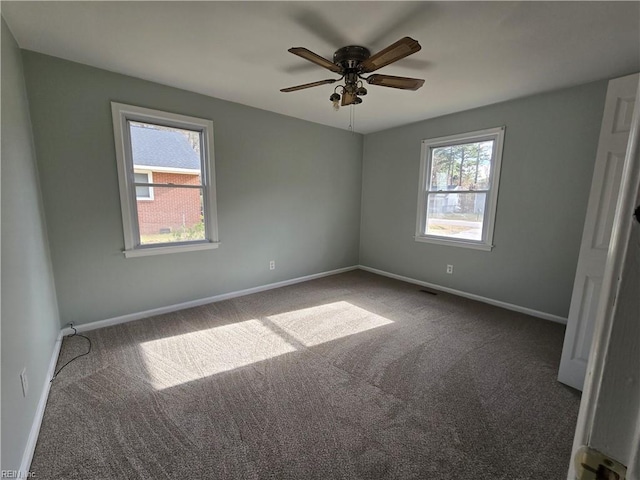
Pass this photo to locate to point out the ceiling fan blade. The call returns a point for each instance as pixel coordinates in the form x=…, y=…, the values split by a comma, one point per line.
x=402, y=48
x=315, y=58
x=404, y=83
x=322, y=27
x=415, y=64
x=309, y=85
x=300, y=67
x=412, y=14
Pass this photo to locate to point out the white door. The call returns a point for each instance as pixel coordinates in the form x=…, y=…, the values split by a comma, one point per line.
x=609, y=418
x=605, y=186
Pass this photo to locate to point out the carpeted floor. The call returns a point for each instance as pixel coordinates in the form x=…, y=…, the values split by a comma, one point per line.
x=353, y=376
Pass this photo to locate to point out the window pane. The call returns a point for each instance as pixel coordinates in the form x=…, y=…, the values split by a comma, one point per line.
x=168, y=214
x=159, y=148
x=142, y=192
x=174, y=215
x=461, y=167
x=455, y=215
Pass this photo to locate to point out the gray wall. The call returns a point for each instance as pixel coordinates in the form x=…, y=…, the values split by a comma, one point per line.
x=549, y=153
x=288, y=191
x=29, y=312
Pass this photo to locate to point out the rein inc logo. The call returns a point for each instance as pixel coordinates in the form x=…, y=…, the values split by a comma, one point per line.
x=16, y=474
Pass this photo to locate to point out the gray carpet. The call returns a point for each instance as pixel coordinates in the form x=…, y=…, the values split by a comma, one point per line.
x=353, y=376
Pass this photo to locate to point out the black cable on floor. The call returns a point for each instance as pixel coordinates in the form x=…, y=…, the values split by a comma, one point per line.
x=74, y=334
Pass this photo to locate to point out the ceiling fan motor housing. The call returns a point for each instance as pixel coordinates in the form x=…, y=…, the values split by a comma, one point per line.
x=351, y=57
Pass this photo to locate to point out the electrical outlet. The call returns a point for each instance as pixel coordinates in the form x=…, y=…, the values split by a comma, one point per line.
x=450, y=269
x=272, y=265
x=24, y=381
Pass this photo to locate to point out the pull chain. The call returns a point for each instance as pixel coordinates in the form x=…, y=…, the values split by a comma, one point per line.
x=352, y=118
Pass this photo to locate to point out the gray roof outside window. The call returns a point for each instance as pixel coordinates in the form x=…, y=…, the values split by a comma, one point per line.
x=162, y=148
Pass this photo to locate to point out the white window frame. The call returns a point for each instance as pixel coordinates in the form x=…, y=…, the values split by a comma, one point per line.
x=486, y=243
x=149, y=175
x=121, y=115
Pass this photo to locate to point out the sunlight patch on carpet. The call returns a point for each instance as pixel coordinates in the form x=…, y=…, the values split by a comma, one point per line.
x=316, y=325
x=191, y=356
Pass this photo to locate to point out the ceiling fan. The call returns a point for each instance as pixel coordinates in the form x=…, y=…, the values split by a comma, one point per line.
x=353, y=62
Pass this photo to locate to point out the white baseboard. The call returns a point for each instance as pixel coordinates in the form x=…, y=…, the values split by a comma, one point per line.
x=30, y=448
x=85, y=327
x=490, y=301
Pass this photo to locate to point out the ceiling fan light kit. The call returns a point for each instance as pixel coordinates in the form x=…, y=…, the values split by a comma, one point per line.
x=352, y=63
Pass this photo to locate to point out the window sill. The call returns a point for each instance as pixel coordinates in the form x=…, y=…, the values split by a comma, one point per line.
x=148, y=251
x=454, y=243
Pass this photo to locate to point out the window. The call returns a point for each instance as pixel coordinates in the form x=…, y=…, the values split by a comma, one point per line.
x=167, y=181
x=458, y=192
x=142, y=192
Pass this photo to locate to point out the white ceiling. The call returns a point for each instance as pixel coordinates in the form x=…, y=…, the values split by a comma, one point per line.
x=473, y=53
